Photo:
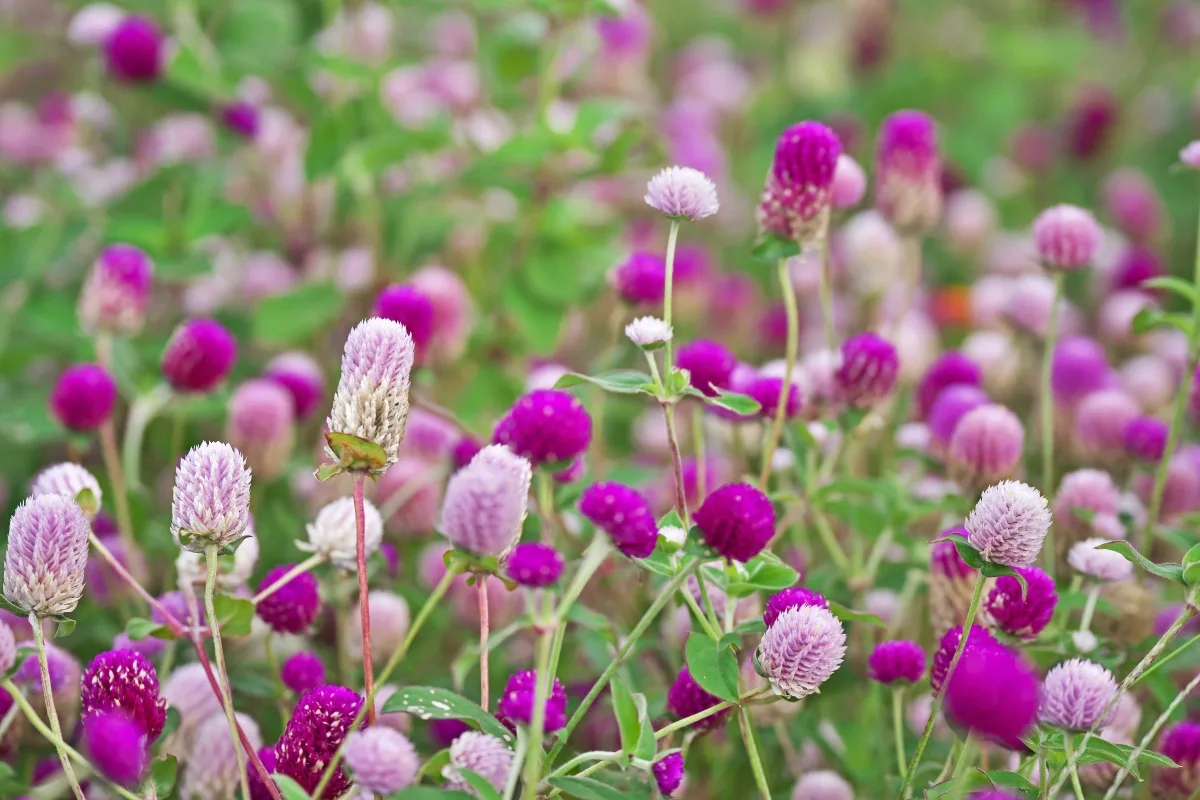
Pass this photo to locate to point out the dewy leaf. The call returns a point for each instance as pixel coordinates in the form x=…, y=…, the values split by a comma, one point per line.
x=429, y=702
x=732, y=401
x=619, y=381
x=1001, y=779
x=715, y=669
x=234, y=614
x=1172, y=572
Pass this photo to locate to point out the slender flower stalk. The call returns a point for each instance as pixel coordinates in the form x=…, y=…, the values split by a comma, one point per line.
x=1047, y=411
x=825, y=288
x=301, y=568
x=1151, y=735
x=760, y=777
x=143, y=410
x=593, y=557
x=39, y=641
x=364, y=593
x=112, y=464
x=677, y=463
x=210, y=583
x=898, y=727
x=1072, y=770
x=672, y=237
x=537, y=726
x=793, y=347
x=484, y=626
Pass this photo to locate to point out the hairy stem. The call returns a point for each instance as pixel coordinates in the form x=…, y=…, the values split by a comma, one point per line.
x=785, y=388
x=1047, y=401
x=39, y=641
x=668, y=290
x=210, y=584
x=364, y=592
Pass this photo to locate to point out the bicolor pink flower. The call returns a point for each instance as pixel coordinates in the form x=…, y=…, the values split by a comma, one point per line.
x=211, y=500
x=46, y=559
x=486, y=501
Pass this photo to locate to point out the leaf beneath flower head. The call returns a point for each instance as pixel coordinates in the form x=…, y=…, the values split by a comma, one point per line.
x=1172, y=572
x=592, y=789
x=234, y=614
x=162, y=773
x=429, y=702
x=479, y=785
x=712, y=666
x=732, y=401
x=354, y=453
x=773, y=248
x=618, y=381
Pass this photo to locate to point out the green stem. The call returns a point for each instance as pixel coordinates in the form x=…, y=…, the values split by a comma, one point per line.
x=583, y=758
x=537, y=726
x=1090, y=608
x=972, y=611
x=709, y=610
x=364, y=592
x=143, y=410
x=785, y=388
x=510, y=786
x=668, y=290
x=593, y=558
x=708, y=627
x=717, y=708
x=1150, y=735
x=214, y=625
x=898, y=727
x=1071, y=767
x=545, y=503
x=965, y=755
x=677, y=464
x=112, y=465
x=1047, y=401
x=825, y=533
x=760, y=777
x=698, y=448
x=826, y=290
x=39, y=641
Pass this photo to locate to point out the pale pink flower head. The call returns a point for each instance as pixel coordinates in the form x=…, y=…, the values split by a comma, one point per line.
x=1133, y=203
x=1190, y=155
x=382, y=760
x=987, y=445
x=1009, y=524
x=453, y=313
x=486, y=501
x=1076, y=694
x=682, y=193
x=849, y=183
x=1104, y=565
x=116, y=291
x=94, y=23
x=211, y=501
x=46, y=560
x=420, y=484
x=261, y=424
x=69, y=480
x=1100, y=421
x=481, y=753
x=908, y=171
x=1067, y=237
x=801, y=650
x=1090, y=491
x=822, y=784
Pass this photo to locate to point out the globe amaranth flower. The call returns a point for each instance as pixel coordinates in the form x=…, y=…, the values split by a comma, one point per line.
x=1181, y=744
x=46, y=560
x=737, y=520
x=1090, y=491
x=485, y=755
x=986, y=446
x=135, y=50
x=624, y=514
x=534, y=564
x=316, y=730
x=908, y=172
x=412, y=308
x=1022, y=613
x=641, y=279
x=116, y=291
x=382, y=760
x=1146, y=439
x=293, y=607
x=897, y=660
x=188, y=691
x=682, y=193
x=686, y=697
x=951, y=584
x=261, y=424
x=972, y=701
x=801, y=650
x=302, y=377
x=516, y=702
x=1103, y=565
x=849, y=183
x=1009, y=524
x=69, y=480
x=978, y=638
x=258, y=789
x=389, y=625
x=486, y=501
x=796, y=196
x=211, y=500
x=198, y=356
x=116, y=745
x=232, y=573
x=333, y=533
x=1076, y=695
x=126, y=681
x=767, y=389
x=371, y=401
x=1067, y=237
x=302, y=672
x=822, y=784
x=414, y=491
x=1133, y=203
x=668, y=773
x=648, y=333
x=546, y=426
x=211, y=771
x=8, y=648
x=83, y=397
x=1189, y=156
x=952, y=368
x=868, y=370
x=792, y=597
x=242, y=118
x=1100, y=420
x=951, y=405
x=709, y=364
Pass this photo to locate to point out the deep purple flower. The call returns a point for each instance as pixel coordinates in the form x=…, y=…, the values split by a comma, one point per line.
x=241, y=117
x=198, y=356
x=516, y=702
x=979, y=638
x=1181, y=744
x=412, y=308
x=83, y=397
x=737, y=520
x=1078, y=367
x=534, y=564
x=685, y=698
x=708, y=363
x=134, y=50
x=1022, y=618
x=897, y=660
x=868, y=370
x=546, y=426
x=125, y=680
x=951, y=405
x=624, y=514
x=908, y=171
x=1146, y=438
x=641, y=279
x=116, y=291
x=46, y=558
x=668, y=773
x=795, y=199
x=258, y=790
x=973, y=702
x=302, y=672
x=117, y=746
x=302, y=376
x=1137, y=264
x=443, y=732
x=465, y=450
x=793, y=597
x=952, y=368
x=314, y=733
x=292, y=608
x=1090, y=122
x=766, y=390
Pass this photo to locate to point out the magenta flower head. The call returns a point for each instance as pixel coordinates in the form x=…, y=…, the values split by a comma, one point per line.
x=262, y=424
x=793, y=597
x=868, y=371
x=686, y=697
x=1181, y=744
x=486, y=501
x=1009, y=524
x=516, y=702
x=1100, y=421
x=737, y=520
x=46, y=560
x=979, y=638
x=211, y=501
x=382, y=760
x=668, y=773
x=116, y=291
x=801, y=650
x=897, y=660
x=303, y=378
x=1137, y=264
x=987, y=446
x=908, y=172
x=1102, y=565
x=950, y=369
x=972, y=701
x=1024, y=617
x=1133, y=203
x=709, y=364
x=412, y=308
x=258, y=789
x=954, y=403
x=1067, y=237
x=83, y=397
x=485, y=755
x=242, y=118
x=534, y=564
x=198, y=356
x=302, y=672
x=1090, y=122
x=624, y=514
x=766, y=390
x=641, y=279
x=134, y=50
x=546, y=426
x=1146, y=438
x=1078, y=367
x=682, y=193
x=71, y=481
x=117, y=746
x=795, y=199
x=371, y=401
x=126, y=681
x=314, y=733
x=293, y=607
x=1076, y=694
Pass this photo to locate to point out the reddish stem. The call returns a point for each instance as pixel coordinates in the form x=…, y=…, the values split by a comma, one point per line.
x=364, y=603
x=481, y=586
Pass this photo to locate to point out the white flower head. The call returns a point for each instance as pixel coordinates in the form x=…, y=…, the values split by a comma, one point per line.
x=682, y=193
x=1104, y=565
x=648, y=333
x=333, y=533
x=69, y=480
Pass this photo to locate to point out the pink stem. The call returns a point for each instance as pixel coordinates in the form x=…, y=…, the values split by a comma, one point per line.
x=364, y=604
x=481, y=586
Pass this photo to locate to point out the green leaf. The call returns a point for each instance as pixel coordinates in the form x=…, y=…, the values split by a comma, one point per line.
x=429, y=793
x=354, y=453
x=714, y=669
x=626, y=711
x=289, y=319
x=732, y=401
x=188, y=71
x=848, y=615
x=479, y=785
x=1002, y=779
x=588, y=789
x=1172, y=572
x=429, y=702
x=763, y=576
x=1149, y=319
x=772, y=248
x=751, y=627
x=1172, y=284
x=658, y=562
x=162, y=773
x=993, y=570
x=965, y=551
x=619, y=381
x=670, y=520
x=1191, y=565
x=433, y=768
x=172, y=723
x=234, y=614
x=64, y=628
x=325, y=146
x=289, y=789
